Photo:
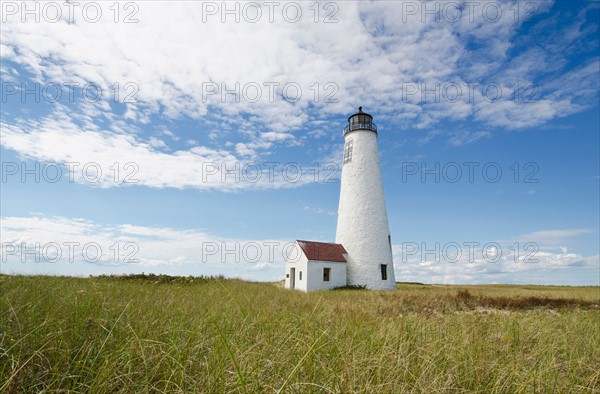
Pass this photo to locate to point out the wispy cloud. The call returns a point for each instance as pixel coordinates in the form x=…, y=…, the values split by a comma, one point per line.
x=461, y=138
x=174, y=74
x=30, y=244
x=132, y=248
x=148, y=163
x=497, y=264
x=556, y=235
x=319, y=211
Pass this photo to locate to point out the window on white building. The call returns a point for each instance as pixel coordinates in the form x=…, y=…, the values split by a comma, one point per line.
x=300, y=275
x=326, y=274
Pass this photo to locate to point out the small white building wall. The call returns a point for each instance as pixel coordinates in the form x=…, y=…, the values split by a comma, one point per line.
x=296, y=259
x=337, y=275
x=312, y=272
x=362, y=226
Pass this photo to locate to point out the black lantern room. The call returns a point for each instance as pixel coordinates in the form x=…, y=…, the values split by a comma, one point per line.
x=360, y=121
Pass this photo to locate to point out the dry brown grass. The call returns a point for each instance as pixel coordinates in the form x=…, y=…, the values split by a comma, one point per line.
x=202, y=335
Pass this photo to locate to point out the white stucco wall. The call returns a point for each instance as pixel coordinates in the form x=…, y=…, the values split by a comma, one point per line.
x=297, y=260
x=362, y=226
x=337, y=275
x=312, y=272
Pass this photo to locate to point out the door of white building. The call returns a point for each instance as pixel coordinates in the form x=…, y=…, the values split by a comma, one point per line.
x=292, y=278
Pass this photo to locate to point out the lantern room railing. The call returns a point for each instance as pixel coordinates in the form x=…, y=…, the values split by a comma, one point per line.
x=360, y=126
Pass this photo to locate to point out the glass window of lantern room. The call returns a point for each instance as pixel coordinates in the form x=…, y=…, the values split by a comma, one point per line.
x=348, y=152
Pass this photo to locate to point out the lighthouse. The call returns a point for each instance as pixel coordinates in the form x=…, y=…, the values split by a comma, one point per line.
x=362, y=252
x=362, y=226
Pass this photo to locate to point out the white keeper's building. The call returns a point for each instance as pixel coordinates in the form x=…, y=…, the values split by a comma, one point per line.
x=362, y=252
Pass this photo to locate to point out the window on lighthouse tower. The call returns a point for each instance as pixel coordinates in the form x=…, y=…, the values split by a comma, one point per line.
x=383, y=271
x=348, y=152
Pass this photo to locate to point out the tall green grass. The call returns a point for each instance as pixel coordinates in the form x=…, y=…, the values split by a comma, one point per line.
x=200, y=335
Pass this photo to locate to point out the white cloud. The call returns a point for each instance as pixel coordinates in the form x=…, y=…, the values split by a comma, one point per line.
x=513, y=115
x=168, y=133
x=249, y=149
x=60, y=140
x=273, y=136
x=192, y=251
x=367, y=55
x=131, y=248
x=555, y=235
x=465, y=137
x=156, y=143
x=499, y=264
x=431, y=135
x=320, y=211
x=561, y=240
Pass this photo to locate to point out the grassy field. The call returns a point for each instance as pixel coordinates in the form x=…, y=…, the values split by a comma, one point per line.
x=159, y=334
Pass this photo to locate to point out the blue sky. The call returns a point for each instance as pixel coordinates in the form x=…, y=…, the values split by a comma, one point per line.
x=488, y=125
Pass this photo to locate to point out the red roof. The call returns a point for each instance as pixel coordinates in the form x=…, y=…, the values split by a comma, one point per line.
x=323, y=251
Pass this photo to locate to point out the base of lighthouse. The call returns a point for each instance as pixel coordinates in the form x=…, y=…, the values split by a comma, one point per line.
x=370, y=275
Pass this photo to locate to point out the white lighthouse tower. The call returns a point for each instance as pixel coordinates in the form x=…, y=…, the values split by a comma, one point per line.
x=362, y=226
